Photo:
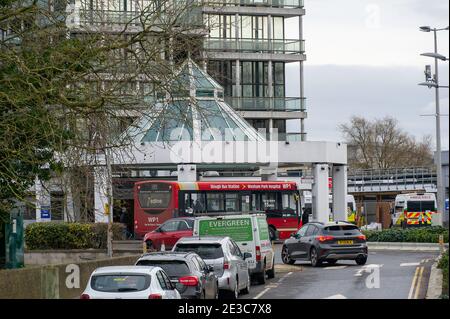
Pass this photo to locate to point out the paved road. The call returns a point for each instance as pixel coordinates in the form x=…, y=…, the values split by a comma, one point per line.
x=402, y=275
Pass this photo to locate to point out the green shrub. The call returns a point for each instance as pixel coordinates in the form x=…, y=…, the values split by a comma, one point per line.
x=100, y=233
x=410, y=235
x=69, y=235
x=443, y=264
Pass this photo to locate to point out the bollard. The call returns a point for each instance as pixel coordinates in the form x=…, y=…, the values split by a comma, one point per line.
x=144, y=247
x=441, y=243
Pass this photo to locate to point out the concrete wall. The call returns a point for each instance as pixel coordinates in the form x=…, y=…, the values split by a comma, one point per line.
x=52, y=257
x=62, y=281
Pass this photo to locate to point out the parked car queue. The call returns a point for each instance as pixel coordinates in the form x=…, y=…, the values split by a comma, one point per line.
x=204, y=262
x=210, y=265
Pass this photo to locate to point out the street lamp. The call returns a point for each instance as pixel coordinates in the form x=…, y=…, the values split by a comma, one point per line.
x=433, y=82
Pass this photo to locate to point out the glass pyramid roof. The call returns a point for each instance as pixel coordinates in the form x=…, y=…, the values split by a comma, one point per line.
x=198, y=112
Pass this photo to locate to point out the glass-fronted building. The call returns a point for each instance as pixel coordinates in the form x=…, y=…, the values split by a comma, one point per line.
x=249, y=46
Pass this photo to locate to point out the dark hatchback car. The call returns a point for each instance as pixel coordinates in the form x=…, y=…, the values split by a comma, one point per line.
x=330, y=242
x=187, y=271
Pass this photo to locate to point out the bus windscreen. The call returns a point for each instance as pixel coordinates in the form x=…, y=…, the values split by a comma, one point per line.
x=154, y=198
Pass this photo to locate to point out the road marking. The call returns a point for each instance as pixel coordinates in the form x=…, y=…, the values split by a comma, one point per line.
x=272, y=285
x=409, y=264
x=335, y=267
x=419, y=283
x=261, y=293
x=338, y=296
x=360, y=271
x=284, y=277
x=413, y=284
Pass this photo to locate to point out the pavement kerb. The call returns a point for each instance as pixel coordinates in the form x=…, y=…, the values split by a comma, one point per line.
x=434, y=290
x=432, y=247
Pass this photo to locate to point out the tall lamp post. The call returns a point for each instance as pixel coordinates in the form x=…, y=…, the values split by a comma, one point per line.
x=433, y=82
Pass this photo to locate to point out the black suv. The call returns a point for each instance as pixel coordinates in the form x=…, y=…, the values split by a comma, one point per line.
x=330, y=242
x=187, y=271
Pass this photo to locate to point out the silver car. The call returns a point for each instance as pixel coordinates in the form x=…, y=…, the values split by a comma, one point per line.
x=224, y=255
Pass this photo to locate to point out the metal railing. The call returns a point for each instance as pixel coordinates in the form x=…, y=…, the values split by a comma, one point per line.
x=396, y=179
x=288, y=104
x=192, y=17
x=255, y=45
x=287, y=137
x=265, y=3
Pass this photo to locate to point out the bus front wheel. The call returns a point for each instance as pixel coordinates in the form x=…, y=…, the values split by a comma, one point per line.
x=272, y=233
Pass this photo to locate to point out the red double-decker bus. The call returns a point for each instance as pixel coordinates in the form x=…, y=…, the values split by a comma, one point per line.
x=157, y=201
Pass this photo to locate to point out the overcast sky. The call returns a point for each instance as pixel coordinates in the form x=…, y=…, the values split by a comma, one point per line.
x=364, y=59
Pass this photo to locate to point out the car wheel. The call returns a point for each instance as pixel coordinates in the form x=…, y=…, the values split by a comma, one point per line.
x=261, y=277
x=217, y=291
x=285, y=256
x=361, y=260
x=235, y=293
x=271, y=271
x=246, y=290
x=314, y=257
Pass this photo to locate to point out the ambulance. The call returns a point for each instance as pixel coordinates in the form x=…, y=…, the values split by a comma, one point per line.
x=413, y=210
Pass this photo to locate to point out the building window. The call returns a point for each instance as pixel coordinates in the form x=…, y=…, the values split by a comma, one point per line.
x=254, y=77
x=278, y=28
x=254, y=27
x=278, y=79
x=224, y=72
x=221, y=26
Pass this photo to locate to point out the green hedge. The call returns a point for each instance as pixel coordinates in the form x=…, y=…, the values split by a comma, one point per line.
x=443, y=264
x=410, y=235
x=70, y=235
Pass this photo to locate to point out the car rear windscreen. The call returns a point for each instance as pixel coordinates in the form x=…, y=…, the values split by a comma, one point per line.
x=173, y=268
x=120, y=283
x=341, y=229
x=206, y=251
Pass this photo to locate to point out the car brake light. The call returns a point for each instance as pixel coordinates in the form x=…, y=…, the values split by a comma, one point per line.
x=155, y=296
x=258, y=253
x=324, y=238
x=226, y=265
x=362, y=237
x=188, y=281
x=85, y=296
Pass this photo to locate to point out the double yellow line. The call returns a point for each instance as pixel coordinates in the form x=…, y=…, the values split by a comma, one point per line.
x=416, y=283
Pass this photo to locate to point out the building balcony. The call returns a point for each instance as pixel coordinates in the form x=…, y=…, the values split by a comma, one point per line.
x=257, y=3
x=134, y=19
x=255, y=45
x=277, y=104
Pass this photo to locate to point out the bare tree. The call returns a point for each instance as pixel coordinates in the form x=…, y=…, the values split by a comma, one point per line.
x=382, y=144
x=72, y=79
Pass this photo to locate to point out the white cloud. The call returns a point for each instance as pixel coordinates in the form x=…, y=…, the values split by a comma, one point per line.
x=364, y=59
x=372, y=32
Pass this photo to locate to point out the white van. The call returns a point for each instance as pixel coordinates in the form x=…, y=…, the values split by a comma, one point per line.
x=251, y=234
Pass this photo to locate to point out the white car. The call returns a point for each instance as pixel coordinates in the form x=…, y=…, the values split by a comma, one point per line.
x=130, y=282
